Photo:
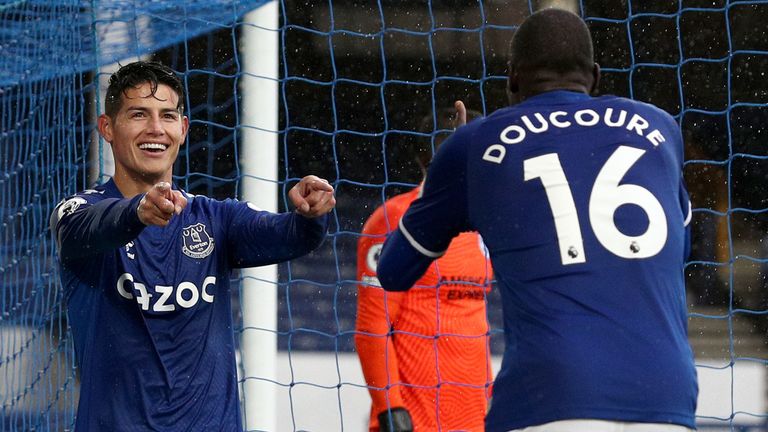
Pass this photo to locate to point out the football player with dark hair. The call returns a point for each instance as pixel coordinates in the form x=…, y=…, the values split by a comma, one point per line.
x=582, y=205
x=145, y=268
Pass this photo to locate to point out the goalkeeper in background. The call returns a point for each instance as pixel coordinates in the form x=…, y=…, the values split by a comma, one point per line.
x=425, y=353
x=582, y=205
x=145, y=268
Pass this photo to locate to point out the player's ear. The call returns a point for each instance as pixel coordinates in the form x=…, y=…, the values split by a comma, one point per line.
x=595, y=79
x=184, y=129
x=106, y=128
x=513, y=85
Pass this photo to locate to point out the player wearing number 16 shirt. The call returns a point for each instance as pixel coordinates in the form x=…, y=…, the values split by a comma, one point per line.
x=145, y=269
x=581, y=203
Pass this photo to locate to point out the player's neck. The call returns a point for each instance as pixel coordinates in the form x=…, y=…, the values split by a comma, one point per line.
x=130, y=186
x=545, y=81
x=548, y=87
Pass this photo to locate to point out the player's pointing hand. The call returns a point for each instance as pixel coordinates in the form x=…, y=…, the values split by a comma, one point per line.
x=160, y=204
x=312, y=196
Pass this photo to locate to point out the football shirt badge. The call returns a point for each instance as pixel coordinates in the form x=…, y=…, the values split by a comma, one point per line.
x=69, y=206
x=197, y=242
x=372, y=258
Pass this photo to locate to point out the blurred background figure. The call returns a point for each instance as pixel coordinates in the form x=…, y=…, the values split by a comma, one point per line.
x=425, y=353
x=708, y=189
x=582, y=274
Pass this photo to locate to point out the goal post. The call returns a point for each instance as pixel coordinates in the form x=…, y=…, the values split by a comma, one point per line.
x=259, y=162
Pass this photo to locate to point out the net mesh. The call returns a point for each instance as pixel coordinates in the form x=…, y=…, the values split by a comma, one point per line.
x=356, y=79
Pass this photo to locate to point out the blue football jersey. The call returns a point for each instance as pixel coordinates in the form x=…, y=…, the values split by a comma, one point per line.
x=583, y=208
x=150, y=307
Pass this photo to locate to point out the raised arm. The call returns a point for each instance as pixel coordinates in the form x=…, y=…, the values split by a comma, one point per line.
x=87, y=224
x=257, y=237
x=83, y=226
x=426, y=229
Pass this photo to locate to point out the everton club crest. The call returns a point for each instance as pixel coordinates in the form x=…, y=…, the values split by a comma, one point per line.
x=197, y=242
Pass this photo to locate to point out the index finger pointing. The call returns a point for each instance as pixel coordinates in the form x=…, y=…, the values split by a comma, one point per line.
x=321, y=184
x=179, y=201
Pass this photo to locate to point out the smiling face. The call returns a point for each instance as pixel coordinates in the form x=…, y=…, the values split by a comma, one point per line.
x=145, y=133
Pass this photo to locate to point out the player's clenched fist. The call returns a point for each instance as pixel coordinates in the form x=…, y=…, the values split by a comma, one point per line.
x=160, y=204
x=312, y=196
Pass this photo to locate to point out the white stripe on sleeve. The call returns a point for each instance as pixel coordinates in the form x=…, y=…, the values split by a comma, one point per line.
x=690, y=215
x=424, y=251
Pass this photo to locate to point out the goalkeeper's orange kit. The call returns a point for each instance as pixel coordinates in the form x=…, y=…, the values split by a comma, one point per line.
x=436, y=360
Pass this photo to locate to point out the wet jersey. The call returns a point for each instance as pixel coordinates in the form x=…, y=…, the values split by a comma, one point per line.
x=150, y=308
x=582, y=205
x=438, y=359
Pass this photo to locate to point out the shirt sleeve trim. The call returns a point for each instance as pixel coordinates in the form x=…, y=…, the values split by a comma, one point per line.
x=424, y=251
x=689, y=216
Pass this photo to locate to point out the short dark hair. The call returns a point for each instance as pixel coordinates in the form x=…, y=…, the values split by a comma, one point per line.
x=552, y=40
x=135, y=74
x=440, y=124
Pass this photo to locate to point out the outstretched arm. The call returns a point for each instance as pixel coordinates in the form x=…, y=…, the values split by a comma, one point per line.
x=257, y=237
x=85, y=224
x=426, y=229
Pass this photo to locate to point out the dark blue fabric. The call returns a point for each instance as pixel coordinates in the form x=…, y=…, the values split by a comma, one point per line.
x=599, y=331
x=150, y=307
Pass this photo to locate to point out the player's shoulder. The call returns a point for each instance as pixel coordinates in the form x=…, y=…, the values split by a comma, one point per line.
x=453, y=152
x=220, y=209
x=77, y=202
x=643, y=108
x=620, y=100
x=468, y=131
x=477, y=129
x=393, y=208
x=386, y=217
x=94, y=194
x=80, y=199
x=200, y=200
x=204, y=201
x=403, y=200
